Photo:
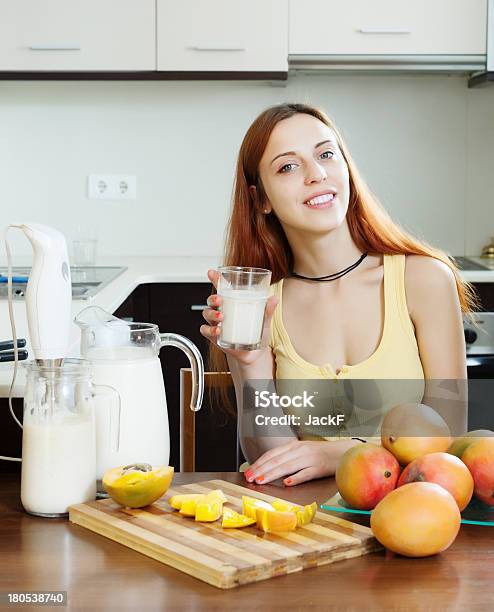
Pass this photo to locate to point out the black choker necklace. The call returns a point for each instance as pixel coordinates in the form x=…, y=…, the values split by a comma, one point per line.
x=334, y=276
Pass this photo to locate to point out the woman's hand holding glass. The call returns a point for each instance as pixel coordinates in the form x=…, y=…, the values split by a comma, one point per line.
x=213, y=317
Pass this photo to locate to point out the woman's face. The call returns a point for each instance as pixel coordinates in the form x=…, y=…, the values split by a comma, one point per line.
x=304, y=175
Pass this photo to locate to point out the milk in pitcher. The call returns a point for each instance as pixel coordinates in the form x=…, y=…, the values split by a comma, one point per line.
x=135, y=372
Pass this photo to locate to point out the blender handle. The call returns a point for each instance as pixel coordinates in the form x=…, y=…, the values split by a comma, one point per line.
x=196, y=363
x=115, y=446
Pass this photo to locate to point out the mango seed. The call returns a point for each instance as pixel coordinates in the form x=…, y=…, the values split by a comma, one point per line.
x=138, y=467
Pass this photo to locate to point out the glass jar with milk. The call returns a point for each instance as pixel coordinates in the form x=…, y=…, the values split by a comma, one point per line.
x=244, y=293
x=59, y=437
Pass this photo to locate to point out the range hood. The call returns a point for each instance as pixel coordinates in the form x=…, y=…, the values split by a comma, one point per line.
x=484, y=78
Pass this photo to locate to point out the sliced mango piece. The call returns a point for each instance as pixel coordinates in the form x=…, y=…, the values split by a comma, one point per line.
x=232, y=519
x=284, y=506
x=250, y=504
x=189, y=506
x=208, y=511
x=275, y=520
x=302, y=518
x=204, y=505
x=306, y=514
x=218, y=494
x=312, y=509
x=176, y=501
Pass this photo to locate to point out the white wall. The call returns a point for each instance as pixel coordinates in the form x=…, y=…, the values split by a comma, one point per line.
x=424, y=143
x=479, y=201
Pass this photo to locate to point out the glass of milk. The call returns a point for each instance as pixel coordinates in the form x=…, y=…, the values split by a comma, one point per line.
x=244, y=292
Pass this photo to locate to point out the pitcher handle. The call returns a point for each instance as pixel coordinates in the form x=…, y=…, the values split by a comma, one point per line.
x=196, y=364
x=115, y=438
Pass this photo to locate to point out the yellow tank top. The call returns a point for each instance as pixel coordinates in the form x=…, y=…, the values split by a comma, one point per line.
x=393, y=374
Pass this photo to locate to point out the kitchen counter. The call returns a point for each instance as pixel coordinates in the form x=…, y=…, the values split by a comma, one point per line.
x=140, y=270
x=99, y=574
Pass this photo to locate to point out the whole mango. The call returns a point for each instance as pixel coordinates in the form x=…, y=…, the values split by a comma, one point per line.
x=479, y=459
x=416, y=520
x=365, y=474
x=412, y=430
x=445, y=470
x=460, y=445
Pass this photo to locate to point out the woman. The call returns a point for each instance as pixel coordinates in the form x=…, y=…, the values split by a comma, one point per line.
x=302, y=210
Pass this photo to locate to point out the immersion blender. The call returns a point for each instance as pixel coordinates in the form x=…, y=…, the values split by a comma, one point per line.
x=48, y=299
x=48, y=294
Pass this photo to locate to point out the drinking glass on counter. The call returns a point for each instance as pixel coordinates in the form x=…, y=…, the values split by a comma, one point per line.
x=84, y=247
x=244, y=293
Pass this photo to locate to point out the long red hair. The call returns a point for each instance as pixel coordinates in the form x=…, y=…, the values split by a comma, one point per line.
x=258, y=240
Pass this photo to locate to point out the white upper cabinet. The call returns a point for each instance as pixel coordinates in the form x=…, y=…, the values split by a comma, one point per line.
x=387, y=27
x=222, y=35
x=76, y=35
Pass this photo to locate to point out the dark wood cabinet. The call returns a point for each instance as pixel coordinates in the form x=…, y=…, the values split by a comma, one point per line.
x=11, y=434
x=485, y=292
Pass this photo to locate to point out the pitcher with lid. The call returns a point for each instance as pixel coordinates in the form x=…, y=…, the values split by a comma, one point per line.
x=59, y=441
x=124, y=355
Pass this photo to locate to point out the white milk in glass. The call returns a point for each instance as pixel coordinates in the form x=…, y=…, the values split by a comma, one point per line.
x=58, y=464
x=135, y=372
x=243, y=314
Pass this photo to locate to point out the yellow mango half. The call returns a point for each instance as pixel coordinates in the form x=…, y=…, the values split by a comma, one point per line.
x=137, y=485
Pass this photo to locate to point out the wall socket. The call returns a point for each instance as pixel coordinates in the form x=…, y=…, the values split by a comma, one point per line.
x=111, y=187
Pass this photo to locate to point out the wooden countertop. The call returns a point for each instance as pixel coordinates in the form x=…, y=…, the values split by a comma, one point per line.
x=98, y=574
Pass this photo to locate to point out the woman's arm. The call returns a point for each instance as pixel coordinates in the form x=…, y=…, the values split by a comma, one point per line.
x=249, y=369
x=434, y=308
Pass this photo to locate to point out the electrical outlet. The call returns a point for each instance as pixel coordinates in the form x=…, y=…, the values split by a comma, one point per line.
x=112, y=187
x=125, y=186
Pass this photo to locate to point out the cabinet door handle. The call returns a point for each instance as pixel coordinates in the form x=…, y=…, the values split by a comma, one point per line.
x=199, y=306
x=216, y=48
x=55, y=47
x=382, y=31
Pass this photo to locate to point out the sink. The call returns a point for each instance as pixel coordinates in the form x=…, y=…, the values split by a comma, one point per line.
x=86, y=282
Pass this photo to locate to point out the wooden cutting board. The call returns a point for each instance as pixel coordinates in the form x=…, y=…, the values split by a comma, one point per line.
x=224, y=558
